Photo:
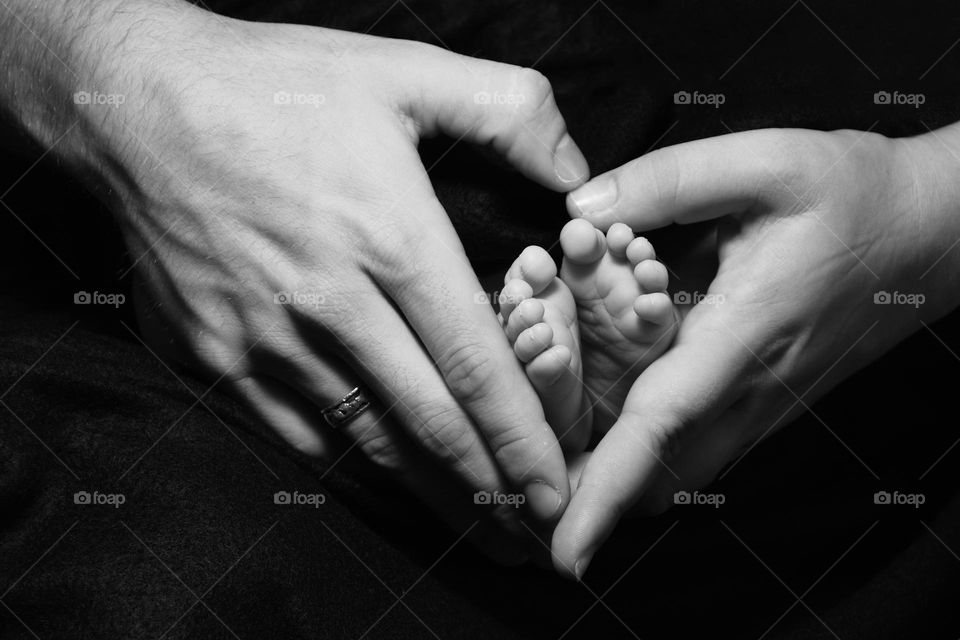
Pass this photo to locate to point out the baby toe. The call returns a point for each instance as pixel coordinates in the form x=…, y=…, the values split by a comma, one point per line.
x=656, y=308
x=651, y=275
x=533, y=341
x=545, y=369
x=514, y=292
x=527, y=314
x=619, y=237
x=639, y=250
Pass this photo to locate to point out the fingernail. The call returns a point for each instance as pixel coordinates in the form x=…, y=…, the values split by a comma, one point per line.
x=596, y=196
x=568, y=162
x=543, y=500
x=580, y=567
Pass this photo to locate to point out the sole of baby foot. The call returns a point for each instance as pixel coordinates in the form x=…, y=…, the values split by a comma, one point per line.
x=540, y=320
x=625, y=316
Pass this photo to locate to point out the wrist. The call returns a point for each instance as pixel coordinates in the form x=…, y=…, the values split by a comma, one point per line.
x=932, y=202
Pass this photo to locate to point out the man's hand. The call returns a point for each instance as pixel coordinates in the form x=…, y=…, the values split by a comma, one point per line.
x=287, y=240
x=832, y=247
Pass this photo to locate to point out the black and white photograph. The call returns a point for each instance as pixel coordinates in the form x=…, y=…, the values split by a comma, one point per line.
x=479, y=319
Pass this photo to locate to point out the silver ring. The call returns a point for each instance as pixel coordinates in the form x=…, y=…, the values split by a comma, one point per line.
x=346, y=409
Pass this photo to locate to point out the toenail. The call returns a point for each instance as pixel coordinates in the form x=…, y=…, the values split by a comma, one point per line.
x=596, y=196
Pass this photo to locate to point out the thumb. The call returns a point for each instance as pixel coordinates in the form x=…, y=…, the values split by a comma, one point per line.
x=695, y=181
x=507, y=107
x=682, y=392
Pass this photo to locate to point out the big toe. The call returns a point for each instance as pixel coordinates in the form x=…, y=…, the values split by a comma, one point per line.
x=535, y=267
x=582, y=243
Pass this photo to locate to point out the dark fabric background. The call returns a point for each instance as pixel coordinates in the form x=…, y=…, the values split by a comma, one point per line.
x=798, y=551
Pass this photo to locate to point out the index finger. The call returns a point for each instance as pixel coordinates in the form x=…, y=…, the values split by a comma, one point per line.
x=485, y=395
x=456, y=324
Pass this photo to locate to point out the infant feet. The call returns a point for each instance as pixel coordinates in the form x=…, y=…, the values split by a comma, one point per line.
x=586, y=335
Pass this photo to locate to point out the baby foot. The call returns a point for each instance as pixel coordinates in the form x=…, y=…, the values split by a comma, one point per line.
x=539, y=316
x=610, y=299
x=626, y=318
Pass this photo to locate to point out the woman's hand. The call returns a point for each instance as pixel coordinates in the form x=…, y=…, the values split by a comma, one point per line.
x=287, y=240
x=832, y=247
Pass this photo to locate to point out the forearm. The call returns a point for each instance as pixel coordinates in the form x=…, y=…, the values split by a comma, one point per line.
x=69, y=66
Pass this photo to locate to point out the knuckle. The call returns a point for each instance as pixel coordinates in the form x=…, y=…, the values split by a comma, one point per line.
x=524, y=102
x=380, y=448
x=789, y=157
x=662, y=171
x=662, y=436
x=534, y=106
x=664, y=439
x=447, y=434
x=217, y=356
x=468, y=370
x=534, y=87
x=510, y=445
x=422, y=50
x=394, y=251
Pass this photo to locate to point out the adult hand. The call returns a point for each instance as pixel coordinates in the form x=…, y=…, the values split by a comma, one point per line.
x=288, y=241
x=832, y=247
